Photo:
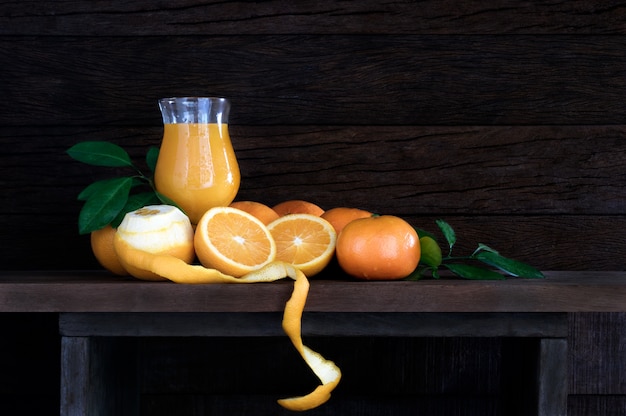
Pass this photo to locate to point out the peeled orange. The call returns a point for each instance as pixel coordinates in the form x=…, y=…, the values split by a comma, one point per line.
x=233, y=241
x=156, y=229
x=305, y=240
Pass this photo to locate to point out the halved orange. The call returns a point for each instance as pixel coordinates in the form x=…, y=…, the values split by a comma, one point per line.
x=233, y=241
x=305, y=240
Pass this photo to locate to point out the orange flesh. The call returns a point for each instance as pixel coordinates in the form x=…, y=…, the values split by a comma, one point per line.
x=238, y=240
x=299, y=245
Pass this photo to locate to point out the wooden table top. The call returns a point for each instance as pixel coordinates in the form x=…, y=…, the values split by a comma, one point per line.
x=95, y=291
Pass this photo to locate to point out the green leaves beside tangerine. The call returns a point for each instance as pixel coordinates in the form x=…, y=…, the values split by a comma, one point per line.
x=431, y=260
x=512, y=267
x=108, y=200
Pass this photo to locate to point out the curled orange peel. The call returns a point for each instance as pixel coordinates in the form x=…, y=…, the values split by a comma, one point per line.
x=178, y=271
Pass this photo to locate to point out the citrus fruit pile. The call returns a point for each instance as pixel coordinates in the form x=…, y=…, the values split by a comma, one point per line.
x=248, y=235
x=249, y=242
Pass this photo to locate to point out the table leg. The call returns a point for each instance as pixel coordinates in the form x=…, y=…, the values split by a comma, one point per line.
x=98, y=377
x=552, y=377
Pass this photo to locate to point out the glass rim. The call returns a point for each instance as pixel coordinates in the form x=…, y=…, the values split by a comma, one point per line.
x=192, y=98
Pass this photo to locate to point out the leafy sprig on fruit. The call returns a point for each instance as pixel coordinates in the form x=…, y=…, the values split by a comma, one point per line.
x=108, y=200
x=485, y=260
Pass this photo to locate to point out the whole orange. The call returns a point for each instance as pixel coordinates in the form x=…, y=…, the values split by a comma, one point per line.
x=385, y=247
x=339, y=217
x=102, y=247
x=297, y=206
x=257, y=209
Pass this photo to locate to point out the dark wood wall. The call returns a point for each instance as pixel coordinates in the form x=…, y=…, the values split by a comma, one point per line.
x=505, y=118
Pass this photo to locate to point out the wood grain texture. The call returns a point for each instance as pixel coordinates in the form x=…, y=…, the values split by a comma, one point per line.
x=79, y=292
x=552, y=370
x=596, y=405
x=505, y=118
x=325, y=324
x=315, y=79
x=90, y=384
x=598, y=356
x=532, y=192
x=142, y=18
x=418, y=170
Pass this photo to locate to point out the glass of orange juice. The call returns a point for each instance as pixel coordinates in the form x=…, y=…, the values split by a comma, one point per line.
x=197, y=167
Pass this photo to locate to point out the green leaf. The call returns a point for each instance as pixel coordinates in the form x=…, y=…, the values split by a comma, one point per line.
x=416, y=275
x=421, y=272
x=102, y=207
x=137, y=181
x=100, y=154
x=448, y=233
x=510, y=266
x=151, y=158
x=485, y=247
x=104, y=184
x=473, y=273
x=135, y=202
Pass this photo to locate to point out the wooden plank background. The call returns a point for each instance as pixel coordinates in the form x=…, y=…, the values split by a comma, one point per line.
x=505, y=118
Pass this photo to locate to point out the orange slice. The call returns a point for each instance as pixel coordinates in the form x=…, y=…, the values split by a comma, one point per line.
x=233, y=241
x=305, y=240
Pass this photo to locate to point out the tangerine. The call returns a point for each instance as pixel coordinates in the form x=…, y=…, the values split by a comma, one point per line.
x=297, y=206
x=383, y=247
x=339, y=217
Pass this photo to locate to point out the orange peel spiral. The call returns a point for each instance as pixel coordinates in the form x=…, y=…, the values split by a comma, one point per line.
x=178, y=271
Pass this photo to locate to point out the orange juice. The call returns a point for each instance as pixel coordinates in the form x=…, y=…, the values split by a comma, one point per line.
x=197, y=167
